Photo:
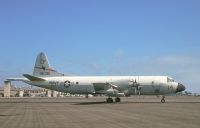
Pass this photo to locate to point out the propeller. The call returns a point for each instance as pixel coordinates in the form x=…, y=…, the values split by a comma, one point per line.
x=136, y=85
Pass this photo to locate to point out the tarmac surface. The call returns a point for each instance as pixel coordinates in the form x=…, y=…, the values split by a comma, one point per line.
x=133, y=112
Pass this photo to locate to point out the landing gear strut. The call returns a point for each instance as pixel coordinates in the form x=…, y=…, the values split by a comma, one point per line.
x=163, y=99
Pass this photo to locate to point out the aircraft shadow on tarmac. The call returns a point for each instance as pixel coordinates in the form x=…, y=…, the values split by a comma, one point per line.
x=90, y=103
x=101, y=102
x=10, y=115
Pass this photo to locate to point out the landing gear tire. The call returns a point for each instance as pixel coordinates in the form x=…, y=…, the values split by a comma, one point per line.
x=117, y=99
x=163, y=99
x=109, y=100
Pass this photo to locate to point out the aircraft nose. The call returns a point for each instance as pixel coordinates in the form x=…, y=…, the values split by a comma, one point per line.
x=180, y=87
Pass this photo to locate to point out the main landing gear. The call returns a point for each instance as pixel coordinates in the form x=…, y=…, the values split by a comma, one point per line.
x=110, y=100
x=163, y=99
x=117, y=99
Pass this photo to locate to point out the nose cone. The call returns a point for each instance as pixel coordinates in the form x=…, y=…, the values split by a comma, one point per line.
x=180, y=87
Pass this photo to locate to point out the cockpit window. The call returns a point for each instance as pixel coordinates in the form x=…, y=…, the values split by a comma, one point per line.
x=170, y=79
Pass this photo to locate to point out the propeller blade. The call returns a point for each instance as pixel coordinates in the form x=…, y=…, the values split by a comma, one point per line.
x=135, y=91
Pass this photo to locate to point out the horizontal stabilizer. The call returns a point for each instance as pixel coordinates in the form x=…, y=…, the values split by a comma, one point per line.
x=16, y=79
x=33, y=78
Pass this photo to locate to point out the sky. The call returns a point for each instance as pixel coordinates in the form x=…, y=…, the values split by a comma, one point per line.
x=103, y=37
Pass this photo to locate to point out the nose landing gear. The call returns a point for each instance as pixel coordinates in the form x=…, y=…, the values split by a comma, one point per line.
x=163, y=99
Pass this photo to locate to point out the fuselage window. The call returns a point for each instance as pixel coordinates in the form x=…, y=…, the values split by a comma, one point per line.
x=76, y=82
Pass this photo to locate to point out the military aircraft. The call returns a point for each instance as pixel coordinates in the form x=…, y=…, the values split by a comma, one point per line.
x=113, y=86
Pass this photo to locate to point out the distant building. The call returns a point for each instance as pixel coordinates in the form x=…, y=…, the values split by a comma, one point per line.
x=6, y=91
x=12, y=91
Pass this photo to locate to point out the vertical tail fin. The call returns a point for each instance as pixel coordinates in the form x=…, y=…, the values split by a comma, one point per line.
x=42, y=67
